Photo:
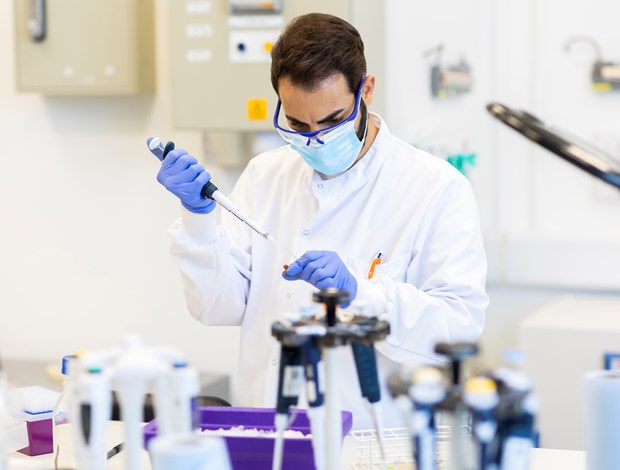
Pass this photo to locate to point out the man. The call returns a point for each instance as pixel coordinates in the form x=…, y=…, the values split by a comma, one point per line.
x=343, y=194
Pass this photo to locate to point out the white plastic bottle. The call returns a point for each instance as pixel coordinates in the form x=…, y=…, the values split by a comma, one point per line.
x=63, y=448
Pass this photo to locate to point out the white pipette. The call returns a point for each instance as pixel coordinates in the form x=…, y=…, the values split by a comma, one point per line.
x=210, y=191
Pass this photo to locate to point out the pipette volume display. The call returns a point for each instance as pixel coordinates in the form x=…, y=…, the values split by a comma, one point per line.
x=157, y=148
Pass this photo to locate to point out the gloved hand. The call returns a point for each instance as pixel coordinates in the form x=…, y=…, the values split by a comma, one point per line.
x=323, y=269
x=183, y=176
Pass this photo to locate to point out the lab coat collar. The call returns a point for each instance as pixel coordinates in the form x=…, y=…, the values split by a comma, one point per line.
x=359, y=174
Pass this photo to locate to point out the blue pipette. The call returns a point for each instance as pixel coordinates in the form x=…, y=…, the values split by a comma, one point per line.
x=426, y=392
x=210, y=191
x=480, y=395
x=366, y=365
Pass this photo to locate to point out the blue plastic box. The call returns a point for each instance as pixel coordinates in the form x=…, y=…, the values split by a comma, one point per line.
x=257, y=452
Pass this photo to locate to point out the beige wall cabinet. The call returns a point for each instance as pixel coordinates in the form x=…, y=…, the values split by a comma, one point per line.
x=84, y=47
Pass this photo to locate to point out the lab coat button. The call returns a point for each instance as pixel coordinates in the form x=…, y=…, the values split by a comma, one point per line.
x=274, y=363
x=288, y=295
x=306, y=232
x=320, y=185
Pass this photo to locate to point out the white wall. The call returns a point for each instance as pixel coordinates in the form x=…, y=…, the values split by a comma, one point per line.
x=546, y=222
x=84, y=249
x=561, y=226
x=550, y=228
x=84, y=253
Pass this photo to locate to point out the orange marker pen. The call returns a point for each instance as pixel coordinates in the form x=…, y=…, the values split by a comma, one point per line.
x=373, y=265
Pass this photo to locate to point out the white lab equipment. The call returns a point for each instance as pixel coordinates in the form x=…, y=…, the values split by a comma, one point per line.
x=589, y=321
x=90, y=406
x=602, y=411
x=132, y=371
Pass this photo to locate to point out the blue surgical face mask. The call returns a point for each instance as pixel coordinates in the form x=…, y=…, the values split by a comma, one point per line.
x=332, y=150
x=338, y=152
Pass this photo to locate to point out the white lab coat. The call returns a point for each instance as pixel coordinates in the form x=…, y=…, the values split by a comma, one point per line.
x=413, y=207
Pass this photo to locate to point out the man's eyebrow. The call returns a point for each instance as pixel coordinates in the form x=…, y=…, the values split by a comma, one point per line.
x=331, y=117
x=328, y=118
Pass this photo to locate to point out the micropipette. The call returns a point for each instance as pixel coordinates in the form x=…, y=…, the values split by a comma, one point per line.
x=366, y=365
x=480, y=395
x=426, y=392
x=289, y=386
x=91, y=407
x=313, y=370
x=184, y=384
x=210, y=191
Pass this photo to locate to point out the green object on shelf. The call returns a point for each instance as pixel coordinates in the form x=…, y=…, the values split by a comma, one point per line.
x=461, y=161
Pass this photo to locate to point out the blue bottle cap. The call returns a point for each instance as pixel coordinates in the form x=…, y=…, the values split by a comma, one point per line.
x=65, y=363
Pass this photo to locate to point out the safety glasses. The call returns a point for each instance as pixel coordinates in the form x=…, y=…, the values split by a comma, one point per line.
x=318, y=136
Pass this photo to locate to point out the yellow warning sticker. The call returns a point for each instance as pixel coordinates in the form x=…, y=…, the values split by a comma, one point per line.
x=602, y=87
x=257, y=109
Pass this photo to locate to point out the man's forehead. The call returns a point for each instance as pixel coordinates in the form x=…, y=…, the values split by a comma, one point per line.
x=335, y=82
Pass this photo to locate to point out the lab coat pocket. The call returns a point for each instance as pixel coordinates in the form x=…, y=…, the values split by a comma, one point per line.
x=396, y=269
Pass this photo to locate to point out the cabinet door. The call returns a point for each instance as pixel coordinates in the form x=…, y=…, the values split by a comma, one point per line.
x=84, y=46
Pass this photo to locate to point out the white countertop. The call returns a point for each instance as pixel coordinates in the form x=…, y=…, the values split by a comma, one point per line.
x=547, y=459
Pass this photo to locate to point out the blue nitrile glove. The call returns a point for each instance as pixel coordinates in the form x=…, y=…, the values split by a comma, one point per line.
x=322, y=269
x=183, y=176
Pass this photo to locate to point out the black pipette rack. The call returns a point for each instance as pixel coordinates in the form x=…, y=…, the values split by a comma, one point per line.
x=331, y=327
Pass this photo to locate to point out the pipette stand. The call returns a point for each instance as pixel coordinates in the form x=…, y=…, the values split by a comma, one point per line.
x=332, y=328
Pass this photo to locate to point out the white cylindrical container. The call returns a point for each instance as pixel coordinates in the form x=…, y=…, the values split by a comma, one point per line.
x=189, y=451
x=602, y=418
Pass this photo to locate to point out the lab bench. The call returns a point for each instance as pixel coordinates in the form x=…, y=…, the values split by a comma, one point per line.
x=542, y=459
x=27, y=372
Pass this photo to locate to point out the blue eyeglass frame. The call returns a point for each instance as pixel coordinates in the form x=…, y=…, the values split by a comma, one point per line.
x=313, y=135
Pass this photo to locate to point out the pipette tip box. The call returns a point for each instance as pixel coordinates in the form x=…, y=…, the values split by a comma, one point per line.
x=254, y=451
x=36, y=405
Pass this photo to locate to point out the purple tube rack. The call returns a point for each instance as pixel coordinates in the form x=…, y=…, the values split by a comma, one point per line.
x=255, y=453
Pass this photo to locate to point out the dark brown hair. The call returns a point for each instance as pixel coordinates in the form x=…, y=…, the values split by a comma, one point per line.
x=316, y=46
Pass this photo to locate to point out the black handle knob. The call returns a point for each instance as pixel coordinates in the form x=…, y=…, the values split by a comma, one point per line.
x=456, y=352
x=331, y=297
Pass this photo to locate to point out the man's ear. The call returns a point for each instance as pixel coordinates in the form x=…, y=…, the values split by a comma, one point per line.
x=368, y=89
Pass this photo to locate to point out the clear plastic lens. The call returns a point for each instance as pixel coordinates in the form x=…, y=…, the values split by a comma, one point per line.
x=319, y=139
